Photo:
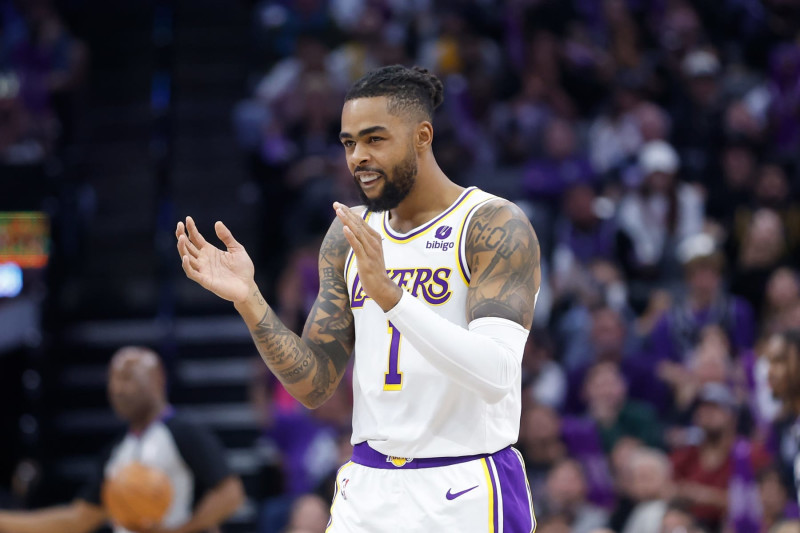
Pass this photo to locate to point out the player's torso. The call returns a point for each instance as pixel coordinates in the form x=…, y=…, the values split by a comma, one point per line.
x=402, y=404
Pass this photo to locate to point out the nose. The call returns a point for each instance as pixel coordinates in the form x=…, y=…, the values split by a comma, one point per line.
x=360, y=155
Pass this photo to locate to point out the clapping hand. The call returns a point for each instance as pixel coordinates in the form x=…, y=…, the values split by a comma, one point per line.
x=228, y=274
x=368, y=249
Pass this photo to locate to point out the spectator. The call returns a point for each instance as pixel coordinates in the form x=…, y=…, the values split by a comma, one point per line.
x=561, y=166
x=786, y=526
x=705, y=471
x=654, y=123
x=782, y=296
x=704, y=302
x=711, y=362
x=785, y=97
x=566, y=494
x=659, y=214
x=621, y=467
x=609, y=341
x=583, y=234
x=603, y=286
x=541, y=447
x=733, y=188
x=772, y=190
x=281, y=24
x=763, y=250
x=520, y=123
x=783, y=354
x=558, y=523
x=615, y=136
x=651, y=486
x=678, y=518
x=542, y=378
x=613, y=414
x=698, y=117
x=774, y=499
x=49, y=64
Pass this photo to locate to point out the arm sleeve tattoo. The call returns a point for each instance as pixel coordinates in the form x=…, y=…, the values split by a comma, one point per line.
x=503, y=256
x=311, y=366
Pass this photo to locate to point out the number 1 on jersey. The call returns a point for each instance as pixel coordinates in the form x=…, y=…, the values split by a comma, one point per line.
x=393, y=379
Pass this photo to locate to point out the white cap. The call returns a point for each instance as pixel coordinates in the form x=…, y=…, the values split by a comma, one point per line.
x=658, y=156
x=700, y=63
x=698, y=246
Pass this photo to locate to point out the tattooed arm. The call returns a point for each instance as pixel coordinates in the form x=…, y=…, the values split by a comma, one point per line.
x=502, y=252
x=311, y=366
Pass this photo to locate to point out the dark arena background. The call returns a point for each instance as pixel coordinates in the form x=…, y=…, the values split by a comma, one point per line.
x=654, y=145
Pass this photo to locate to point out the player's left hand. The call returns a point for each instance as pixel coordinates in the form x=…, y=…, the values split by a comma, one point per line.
x=368, y=249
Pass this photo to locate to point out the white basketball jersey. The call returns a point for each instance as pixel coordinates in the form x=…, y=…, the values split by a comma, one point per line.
x=403, y=406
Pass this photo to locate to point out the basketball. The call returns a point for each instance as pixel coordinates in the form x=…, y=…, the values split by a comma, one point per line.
x=137, y=496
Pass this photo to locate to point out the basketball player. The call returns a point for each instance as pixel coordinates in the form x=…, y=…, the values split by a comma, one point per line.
x=205, y=492
x=783, y=354
x=434, y=287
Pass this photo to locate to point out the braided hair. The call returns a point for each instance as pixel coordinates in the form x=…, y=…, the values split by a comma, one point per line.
x=409, y=90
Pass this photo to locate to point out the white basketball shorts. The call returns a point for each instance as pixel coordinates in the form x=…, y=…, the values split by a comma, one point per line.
x=376, y=493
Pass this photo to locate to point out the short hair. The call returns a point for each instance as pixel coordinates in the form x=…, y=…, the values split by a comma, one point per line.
x=412, y=89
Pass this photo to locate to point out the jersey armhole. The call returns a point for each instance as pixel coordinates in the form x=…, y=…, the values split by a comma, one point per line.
x=463, y=266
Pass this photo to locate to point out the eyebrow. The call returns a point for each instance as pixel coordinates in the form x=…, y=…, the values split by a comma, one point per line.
x=365, y=131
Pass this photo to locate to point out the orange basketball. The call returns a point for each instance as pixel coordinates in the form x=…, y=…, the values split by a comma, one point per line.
x=137, y=496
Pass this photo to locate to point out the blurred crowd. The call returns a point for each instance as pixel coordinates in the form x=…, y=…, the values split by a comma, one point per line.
x=41, y=66
x=654, y=146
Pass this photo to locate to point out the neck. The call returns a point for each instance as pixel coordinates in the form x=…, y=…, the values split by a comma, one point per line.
x=432, y=193
x=139, y=425
x=605, y=415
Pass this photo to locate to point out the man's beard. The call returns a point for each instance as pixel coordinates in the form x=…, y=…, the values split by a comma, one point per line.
x=714, y=435
x=404, y=175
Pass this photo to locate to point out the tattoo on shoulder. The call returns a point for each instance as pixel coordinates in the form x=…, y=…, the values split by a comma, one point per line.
x=503, y=255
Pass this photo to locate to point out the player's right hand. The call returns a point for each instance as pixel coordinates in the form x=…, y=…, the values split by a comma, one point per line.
x=228, y=274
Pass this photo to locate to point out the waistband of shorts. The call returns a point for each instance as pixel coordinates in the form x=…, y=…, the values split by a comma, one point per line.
x=364, y=455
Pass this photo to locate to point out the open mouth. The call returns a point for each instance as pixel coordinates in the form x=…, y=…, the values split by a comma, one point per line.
x=368, y=178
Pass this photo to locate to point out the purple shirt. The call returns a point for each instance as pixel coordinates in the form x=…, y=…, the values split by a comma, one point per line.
x=548, y=178
x=639, y=373
x=308, y=447
x=677, y=331
x=598, y=242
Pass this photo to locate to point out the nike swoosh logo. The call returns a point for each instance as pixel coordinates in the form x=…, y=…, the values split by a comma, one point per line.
x=451, y=496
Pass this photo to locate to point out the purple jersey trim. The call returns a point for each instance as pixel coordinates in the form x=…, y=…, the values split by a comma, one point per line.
x=388, y=229
x=366, y=456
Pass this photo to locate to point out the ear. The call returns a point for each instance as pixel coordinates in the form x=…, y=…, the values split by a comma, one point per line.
x=424, y=136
